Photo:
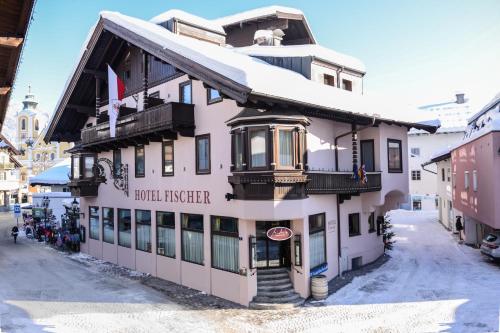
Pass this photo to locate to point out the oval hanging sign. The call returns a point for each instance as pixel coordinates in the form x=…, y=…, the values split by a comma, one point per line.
x=279, y=233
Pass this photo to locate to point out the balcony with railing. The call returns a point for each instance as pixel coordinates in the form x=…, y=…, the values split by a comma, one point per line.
x=165, y=120
x=320, y=182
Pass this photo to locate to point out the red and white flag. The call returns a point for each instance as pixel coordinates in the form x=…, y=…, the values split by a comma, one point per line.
x=116, y=90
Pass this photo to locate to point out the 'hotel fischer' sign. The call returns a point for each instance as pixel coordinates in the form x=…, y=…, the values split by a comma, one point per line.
x=179, y=196
x=279, y=233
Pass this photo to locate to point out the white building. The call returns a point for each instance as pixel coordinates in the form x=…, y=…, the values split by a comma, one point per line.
x=422, y=145
x=9, y=174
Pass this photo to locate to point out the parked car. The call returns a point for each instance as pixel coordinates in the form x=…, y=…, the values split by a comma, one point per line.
x=491, y=246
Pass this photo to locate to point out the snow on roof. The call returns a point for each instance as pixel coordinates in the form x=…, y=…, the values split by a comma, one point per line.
x=486, y=108
x=188, y=18
x=56, y=175
x=262, y=78
x=252, y=14
x=313, y=50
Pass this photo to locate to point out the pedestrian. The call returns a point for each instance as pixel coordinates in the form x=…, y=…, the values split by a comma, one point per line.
x=14, y=233
x=459, y=226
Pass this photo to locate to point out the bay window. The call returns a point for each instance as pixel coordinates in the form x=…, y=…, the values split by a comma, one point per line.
x=108, y=225
x=317, y=240
x=124, y=227
x=258, y=149
x=165, y=234
x=88, y=166
x=286, y=149
x=76, y=167
x=143, y=230
x=225, y=243
x=192, y=238
x=238, y=149
x=94, y=222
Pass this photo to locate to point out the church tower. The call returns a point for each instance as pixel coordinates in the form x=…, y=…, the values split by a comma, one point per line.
x=28, y=123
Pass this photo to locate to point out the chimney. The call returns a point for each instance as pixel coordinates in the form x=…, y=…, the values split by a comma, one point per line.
x=268, y=37
x=460, y=98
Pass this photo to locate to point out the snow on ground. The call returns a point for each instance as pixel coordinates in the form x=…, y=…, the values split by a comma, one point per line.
x=431, y=284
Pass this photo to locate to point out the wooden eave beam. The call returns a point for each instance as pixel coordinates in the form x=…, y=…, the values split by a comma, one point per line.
x=82, y=109
x=100, y=74
x=4, y=90
x=8, y=41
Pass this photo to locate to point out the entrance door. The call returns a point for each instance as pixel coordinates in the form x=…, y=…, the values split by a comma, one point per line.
x=368, y=154
x=270, y=253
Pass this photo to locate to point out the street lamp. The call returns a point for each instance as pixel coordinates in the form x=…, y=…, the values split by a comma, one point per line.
x=45, y=204
x=75, y=209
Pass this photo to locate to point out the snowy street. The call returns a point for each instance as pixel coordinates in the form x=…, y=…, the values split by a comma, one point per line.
x=431, y=284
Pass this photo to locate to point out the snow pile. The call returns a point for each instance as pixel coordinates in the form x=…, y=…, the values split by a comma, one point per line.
x=188, y=18
x=104, y=266
x=313, y=50
x=257, y=13
x=56, y=175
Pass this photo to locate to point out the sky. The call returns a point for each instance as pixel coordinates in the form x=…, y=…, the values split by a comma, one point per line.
x=415, y=52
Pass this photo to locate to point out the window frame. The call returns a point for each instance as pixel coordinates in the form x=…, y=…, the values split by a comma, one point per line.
x=212, y=100
x=181, y=95
x=317, y=230
x=328, y=78
x=116, y=168
x=415, y=155
x=371, y=223
x=197, y=162
x=474, y=180
x=278, y=150
x=226, y=234
x=359, y=224
x=163, y=145
x=249, y=148
x=90, y=224
x=107, y=219
x=443, y=175
x=395, y=170
x=141, y=223
x=118, y=226
x=241, y=134
x=416, y=175
x=466, y=180
x=202, y=231
x=158, y=226
x=347, y=84
x=140, y=175
x=372, y=142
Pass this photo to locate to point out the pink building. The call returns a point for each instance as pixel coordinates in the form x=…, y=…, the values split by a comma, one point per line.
x=476, y=173
x=231, y=171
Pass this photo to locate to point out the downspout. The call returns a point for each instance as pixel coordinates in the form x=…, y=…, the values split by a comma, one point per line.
x=426, y=164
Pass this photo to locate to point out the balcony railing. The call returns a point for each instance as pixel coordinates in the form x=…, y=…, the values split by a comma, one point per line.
x=341, y=183
x=164, y=118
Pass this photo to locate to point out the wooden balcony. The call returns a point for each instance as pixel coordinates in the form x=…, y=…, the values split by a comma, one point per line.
x=154, y=124
x=268, y=186
x=84, y=187
x=341, y=183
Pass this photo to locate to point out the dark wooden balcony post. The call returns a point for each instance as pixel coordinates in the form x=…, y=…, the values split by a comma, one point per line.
x=272, y=150
x=297, y=141
x=145, y=61
x=244, y=136
x=354, y=146
x=97, y=95
x=233, y=150
x=304, y=153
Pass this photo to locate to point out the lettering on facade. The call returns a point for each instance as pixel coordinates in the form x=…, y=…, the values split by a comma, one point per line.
x=279, y=233
x=175, y=196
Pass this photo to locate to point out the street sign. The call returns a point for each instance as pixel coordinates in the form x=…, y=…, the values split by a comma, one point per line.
x=17, y=210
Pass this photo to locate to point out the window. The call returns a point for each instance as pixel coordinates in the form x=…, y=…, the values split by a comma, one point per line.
x=354, y=227
x=258, y=148
x=329, y=80
x=52, y=156
x=23, y=124
x=213, y=96
x=371, y=222
x=108, y=225
x=76, y=167
x=454, y=179
x=317, y=240
x=143, y=230
x=156, y=94
x=117, y=161
x=415, y=175
x=203, y=154
x=185, y=92
x=36, y=125
x=165, y=232
x=347, y=85
x=442, y=175
x=94, y=222
x=88, y=166
x=140, y=168
x=466, y=180
x=368, y=155
x=124, y=227
x=474, y=180
x=448, y=174
x=415, y=152
x=192, y=238
x=238, y=141
x=167, y=158
x=394, y=156
x=285, y=148
x=417, y=204
x=225, y=243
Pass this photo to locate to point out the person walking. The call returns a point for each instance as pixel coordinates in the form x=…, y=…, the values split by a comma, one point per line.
x=459, y=226
x=15, y=232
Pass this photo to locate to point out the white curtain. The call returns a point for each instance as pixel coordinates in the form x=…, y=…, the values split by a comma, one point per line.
x=192, y=246
x=94, y=227
x=317, y=249
x=166, y=241
x=203, y=154
x=109, y=232
x=143, y=237
x=225, y=253
x=258, y=147
x=286, y=151
x=124, y=238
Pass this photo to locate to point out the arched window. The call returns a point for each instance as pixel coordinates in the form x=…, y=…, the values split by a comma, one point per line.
x=36, y=124
x=23, y=124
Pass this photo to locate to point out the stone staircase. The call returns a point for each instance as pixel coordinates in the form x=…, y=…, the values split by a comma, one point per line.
x=275, y=290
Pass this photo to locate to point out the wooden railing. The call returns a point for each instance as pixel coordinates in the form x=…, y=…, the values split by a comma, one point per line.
x=177, y=117
x=341, y=182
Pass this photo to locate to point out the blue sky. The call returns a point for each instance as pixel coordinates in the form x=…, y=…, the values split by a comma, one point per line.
x=416, y=52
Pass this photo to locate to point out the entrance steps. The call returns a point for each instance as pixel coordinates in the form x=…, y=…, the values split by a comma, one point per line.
x=275, y=291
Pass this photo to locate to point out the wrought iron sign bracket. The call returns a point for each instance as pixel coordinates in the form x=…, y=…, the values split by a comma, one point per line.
x=120, y=178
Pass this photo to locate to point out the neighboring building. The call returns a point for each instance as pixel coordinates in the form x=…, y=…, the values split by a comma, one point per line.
x=422, y=145
x=476, y=171
x=9, y=174
x=214, y=148
x=37, y=156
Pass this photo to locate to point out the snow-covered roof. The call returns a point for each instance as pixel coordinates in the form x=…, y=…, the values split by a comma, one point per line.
x=317, y=51
x=188, y=18
x=56, y=175
x=491, y=104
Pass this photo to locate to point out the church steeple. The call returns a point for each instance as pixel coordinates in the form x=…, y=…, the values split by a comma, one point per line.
x=29, y=103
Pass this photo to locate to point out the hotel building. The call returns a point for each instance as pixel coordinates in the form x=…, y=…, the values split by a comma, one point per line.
x=228, y=129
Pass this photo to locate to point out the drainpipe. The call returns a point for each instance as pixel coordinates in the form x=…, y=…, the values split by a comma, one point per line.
x=338, y=77
x=426, y=164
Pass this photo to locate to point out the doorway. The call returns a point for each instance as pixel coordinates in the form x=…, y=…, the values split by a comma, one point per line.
x=270, y=253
